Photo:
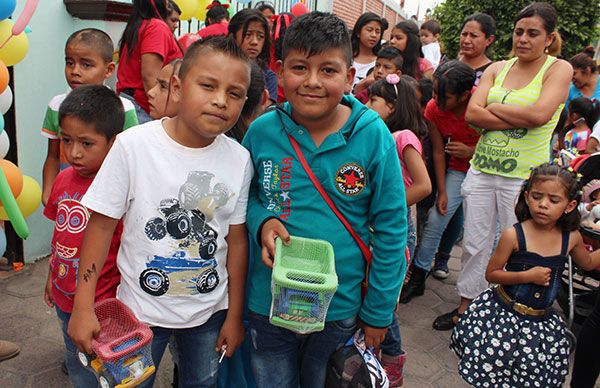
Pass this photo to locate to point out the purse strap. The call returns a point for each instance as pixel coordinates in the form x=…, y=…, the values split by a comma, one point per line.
x=363, y=247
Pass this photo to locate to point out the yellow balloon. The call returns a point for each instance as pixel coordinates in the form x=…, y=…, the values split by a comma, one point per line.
x=29, y=199
x=188, y=8
x=16, y=48
x=200, y=13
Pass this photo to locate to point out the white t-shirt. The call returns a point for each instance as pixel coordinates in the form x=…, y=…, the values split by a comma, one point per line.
x=596, y=134
x=361, y=71
x=177, y=204
x=432, y=53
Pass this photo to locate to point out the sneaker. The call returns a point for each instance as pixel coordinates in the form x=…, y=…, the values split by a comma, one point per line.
x=394, y=370
x=440, y=267
x=8, y=350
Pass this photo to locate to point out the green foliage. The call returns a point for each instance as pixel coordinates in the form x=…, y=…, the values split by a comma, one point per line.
x=577, y=19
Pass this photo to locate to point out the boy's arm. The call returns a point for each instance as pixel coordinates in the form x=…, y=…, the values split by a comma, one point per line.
x=257, y=214
x=83, y=325
x=51, y=168
x=232, y=331
x=388, y=216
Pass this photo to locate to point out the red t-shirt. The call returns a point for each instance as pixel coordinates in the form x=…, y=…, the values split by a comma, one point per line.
x=220, y=28
x=71, y=217
x=452, y=128
x=154, y=37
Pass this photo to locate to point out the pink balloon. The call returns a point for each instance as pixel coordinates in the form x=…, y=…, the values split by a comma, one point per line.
x=299, y=9
x=25, y=17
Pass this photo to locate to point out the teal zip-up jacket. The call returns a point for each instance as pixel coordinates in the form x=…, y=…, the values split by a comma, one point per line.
x=360, y=170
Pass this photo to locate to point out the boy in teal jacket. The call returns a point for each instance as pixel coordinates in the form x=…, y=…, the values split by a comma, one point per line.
x=353, y=155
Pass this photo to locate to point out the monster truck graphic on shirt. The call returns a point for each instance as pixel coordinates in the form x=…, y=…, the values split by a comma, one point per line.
x=185, y=222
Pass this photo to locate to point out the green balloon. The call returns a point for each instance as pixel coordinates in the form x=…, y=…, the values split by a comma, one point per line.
x=12, y=209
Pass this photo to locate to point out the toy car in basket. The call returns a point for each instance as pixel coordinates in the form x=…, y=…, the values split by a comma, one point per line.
x=122, y=351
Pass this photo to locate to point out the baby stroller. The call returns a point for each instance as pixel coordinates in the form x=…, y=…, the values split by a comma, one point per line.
x=580, y=288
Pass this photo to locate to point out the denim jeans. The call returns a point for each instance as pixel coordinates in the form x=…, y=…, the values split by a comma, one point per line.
x=284, y=359
x=80, y=376
x=411, y=236
x=436, y=223
x=392, y=343
x=198, y=362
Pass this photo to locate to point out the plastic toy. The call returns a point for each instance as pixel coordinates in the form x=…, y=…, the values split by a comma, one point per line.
x=123, y=355
x=155, y=279
x=303, y=283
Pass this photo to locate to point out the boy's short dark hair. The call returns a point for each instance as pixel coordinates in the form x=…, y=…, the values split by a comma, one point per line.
x=315, y=32
x=95, y=39
x=173, y=7
x=432, y=26
x=96, y=105
x=393, y=54
x=219, y=43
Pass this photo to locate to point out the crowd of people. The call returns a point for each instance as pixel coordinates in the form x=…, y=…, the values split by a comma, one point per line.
x=213, y=147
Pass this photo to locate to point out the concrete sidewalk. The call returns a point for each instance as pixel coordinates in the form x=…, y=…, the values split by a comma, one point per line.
x=25, y=319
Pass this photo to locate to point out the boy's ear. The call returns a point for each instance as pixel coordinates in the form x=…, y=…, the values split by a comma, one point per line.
x=398, y=72
x=350, y=78
x=175, y=88
x=279, y=71
x=110, y=70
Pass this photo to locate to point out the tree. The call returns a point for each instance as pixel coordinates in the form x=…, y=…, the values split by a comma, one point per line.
x=577, y=21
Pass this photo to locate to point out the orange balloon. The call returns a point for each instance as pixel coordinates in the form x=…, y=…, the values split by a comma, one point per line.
x=3, y=76
x=13, y=176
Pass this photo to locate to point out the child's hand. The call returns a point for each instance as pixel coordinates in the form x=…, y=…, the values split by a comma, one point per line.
x=374, y=336
x=539, y=275
x=232, y=334
x=48, y=291
x=442, y=202
x=83, y=326
x=459, y=150
x=272, y=229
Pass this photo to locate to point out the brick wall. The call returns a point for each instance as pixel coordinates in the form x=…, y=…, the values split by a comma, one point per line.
x=350, y=11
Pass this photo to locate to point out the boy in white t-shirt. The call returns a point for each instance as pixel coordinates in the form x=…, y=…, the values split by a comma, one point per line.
x=430, y=33
x=181, y=188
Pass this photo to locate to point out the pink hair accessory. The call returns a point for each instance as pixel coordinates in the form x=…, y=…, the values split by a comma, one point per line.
x=392, y=79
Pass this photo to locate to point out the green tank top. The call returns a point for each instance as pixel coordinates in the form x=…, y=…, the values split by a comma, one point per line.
x=513, y=152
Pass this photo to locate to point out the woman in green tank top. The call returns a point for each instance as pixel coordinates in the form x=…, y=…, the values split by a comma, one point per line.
x=517, y=105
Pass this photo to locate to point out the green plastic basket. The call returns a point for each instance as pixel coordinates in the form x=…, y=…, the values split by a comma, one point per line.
x=303, y=283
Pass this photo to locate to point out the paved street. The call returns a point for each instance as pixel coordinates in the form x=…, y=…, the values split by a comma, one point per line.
x=28, y=321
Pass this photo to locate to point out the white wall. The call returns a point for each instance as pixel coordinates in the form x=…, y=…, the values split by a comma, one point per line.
x=38, y=78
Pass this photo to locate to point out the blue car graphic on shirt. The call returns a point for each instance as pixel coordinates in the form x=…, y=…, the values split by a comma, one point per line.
x=197, y=274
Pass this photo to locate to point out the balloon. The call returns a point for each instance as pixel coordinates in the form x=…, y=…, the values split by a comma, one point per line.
x=29, y=199
x=231, y=10
x=4, y=144
x=25, y=17
x=2, y=123
x=27, y=30
x=7, y=7
x=4, y=76
x=200, y=13
x=6, y=98
x=2, y=241
x=11, y=209
x=299, y=9
x=188, y=8
x=12, y=51
x=184, y=42
x=13, y=177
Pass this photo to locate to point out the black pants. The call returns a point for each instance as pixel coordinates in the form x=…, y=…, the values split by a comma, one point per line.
x=587, y=353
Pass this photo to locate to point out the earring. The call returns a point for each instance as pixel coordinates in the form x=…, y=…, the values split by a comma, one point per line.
x=546, y=50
